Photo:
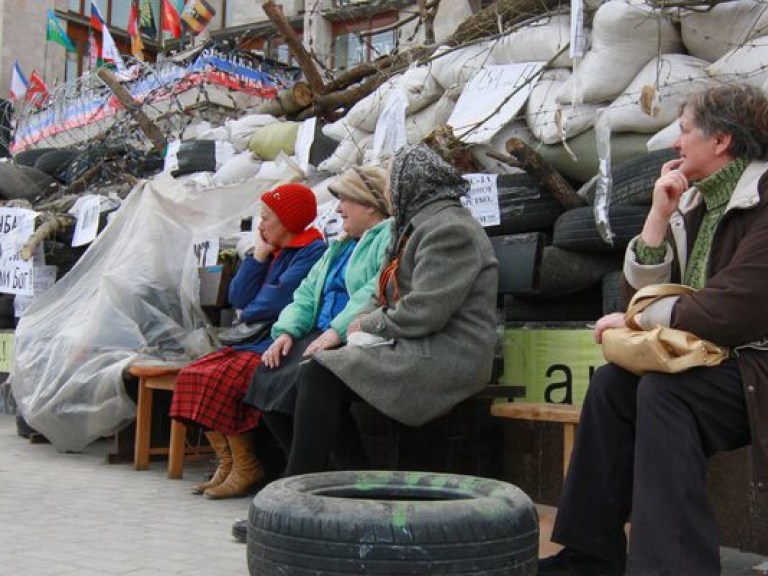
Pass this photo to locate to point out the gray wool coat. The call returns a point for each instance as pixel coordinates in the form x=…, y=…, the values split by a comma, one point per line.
x=443, y=327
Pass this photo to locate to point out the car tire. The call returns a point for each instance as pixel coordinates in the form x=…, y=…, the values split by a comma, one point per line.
x=383, y=523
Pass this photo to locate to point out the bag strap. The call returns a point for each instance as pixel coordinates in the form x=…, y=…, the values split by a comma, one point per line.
x=650, y=294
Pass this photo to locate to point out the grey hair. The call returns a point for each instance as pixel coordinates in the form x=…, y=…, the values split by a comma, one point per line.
x=739, y=110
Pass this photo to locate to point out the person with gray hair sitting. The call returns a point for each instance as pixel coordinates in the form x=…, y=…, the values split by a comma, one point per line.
x=643, y=441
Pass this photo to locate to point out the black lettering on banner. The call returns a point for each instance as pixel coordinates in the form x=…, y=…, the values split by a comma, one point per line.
x=566, y=385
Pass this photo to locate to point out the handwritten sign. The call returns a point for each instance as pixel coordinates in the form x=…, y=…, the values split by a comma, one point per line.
x=44, y=278
x=483, y=198
x=206, y=252
x=16, y=226
x=479, y=114
x=86, y=213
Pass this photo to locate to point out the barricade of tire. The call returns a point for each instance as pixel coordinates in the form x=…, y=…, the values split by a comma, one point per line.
x=579, y=272
x=385, y=523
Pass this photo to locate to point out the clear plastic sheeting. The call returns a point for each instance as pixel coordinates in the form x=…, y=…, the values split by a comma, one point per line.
x=134, y=294
x=602, y=199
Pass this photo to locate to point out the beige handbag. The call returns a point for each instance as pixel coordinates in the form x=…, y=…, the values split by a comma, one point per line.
x=660, y=349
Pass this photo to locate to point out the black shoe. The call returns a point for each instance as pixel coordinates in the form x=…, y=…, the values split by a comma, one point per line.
x=240, y=530
x=569, y=562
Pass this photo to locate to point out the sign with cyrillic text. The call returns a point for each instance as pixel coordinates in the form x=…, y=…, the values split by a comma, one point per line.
x=16, y=226
x=483, y=198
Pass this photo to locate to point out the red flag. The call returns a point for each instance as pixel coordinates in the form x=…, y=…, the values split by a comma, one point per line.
x=37, y=91
x=170, y=19
x=133, y=30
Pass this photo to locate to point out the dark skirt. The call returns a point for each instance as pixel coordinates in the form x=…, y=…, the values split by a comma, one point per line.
x=274, y=390
x=209, y=392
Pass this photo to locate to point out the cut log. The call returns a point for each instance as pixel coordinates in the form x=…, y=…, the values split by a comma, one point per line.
x=289, y=102
x=550, y=179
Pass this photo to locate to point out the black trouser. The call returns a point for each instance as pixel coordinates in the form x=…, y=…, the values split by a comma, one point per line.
x=642, y=446
x=322, y=425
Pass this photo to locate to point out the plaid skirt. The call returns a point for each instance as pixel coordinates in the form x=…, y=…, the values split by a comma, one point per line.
x=210, y=391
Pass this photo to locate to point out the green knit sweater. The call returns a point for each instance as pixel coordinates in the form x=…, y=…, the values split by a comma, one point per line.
x=716, y=191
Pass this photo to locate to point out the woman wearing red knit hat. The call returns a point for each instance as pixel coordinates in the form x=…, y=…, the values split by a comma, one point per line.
x=209, y=391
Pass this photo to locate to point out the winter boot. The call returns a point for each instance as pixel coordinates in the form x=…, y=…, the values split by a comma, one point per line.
x=246, y=470
x=220, y=446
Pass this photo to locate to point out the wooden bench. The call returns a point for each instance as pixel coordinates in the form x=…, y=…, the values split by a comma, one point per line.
x=151, y=378
x=542, y=412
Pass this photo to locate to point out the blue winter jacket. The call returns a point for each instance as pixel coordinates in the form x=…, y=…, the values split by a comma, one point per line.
x=262, y=289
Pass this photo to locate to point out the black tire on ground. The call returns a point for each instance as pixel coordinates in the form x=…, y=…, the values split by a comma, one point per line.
x=24, y=183
x=523, y=206
x=22, y=428
x=633, y=179
x=613, y=301
x=384, y=523
x=564, y=272
x=576, y=229
x=29, y=157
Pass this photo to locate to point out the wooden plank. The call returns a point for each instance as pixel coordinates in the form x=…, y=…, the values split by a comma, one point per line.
x=538, y=412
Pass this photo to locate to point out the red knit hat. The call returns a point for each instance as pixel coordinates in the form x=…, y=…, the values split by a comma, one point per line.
x=294, y=205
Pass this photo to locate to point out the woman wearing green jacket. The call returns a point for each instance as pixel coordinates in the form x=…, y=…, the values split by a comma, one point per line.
x=337, y=288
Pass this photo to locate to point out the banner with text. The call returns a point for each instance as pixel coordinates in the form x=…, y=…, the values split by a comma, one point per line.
x=16, y=226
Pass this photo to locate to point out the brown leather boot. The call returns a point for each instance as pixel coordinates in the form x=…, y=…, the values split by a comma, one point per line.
x=220, y=446
x=246, y=470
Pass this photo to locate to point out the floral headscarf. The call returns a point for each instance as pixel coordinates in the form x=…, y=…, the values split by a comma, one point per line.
x=419, y=177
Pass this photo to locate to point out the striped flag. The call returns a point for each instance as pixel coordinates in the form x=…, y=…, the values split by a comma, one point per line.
x=197, y=15
x=170, y=19
x=107, y=51
x=147, y=19
x=55, y=33
x=18, y=82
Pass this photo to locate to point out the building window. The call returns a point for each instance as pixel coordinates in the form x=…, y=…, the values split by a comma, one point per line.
x=350, y=49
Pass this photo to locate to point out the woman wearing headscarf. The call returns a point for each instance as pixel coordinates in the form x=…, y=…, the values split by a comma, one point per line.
x=427, y=339
x=209, y=391
x=337, y=288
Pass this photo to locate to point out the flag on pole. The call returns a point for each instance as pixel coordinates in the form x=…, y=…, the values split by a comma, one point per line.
x=37, y=91
x=106, y=50
x=18, y=82
x=93, y=51
x=197, y=15
x=170, y=19
x=147, y=19
x=134, y=30
x=55, y=33
x=97, y=21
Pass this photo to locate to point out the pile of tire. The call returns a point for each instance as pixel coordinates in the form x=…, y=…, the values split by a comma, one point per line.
x=382, y=523
x=579, y=273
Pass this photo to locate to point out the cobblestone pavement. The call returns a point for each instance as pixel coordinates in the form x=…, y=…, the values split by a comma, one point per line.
x=76, y=515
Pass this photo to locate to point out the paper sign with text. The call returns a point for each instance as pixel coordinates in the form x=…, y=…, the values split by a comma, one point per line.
x=86, y=212
x=6, y=350
x=479, y=112
x=45, y=277
x=16, y=226
x=483, y=198
x=206, y=252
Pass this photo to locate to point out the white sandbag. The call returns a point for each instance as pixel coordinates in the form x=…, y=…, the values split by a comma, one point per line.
x=364, y=113
x=452, y=68
x=242, y=129
x=652, y=100
x=338, y=130
x=664, y=138
x=418, y=126
x=551, y=122
x=743, y=64
x=240, y=167
x=322, y=195
x=218, y=133
x=349, y=153
x=625, y=36
x=420, y=87
x=712, y=33
x=537, y=42
x=448, y=17
x=193, y=131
